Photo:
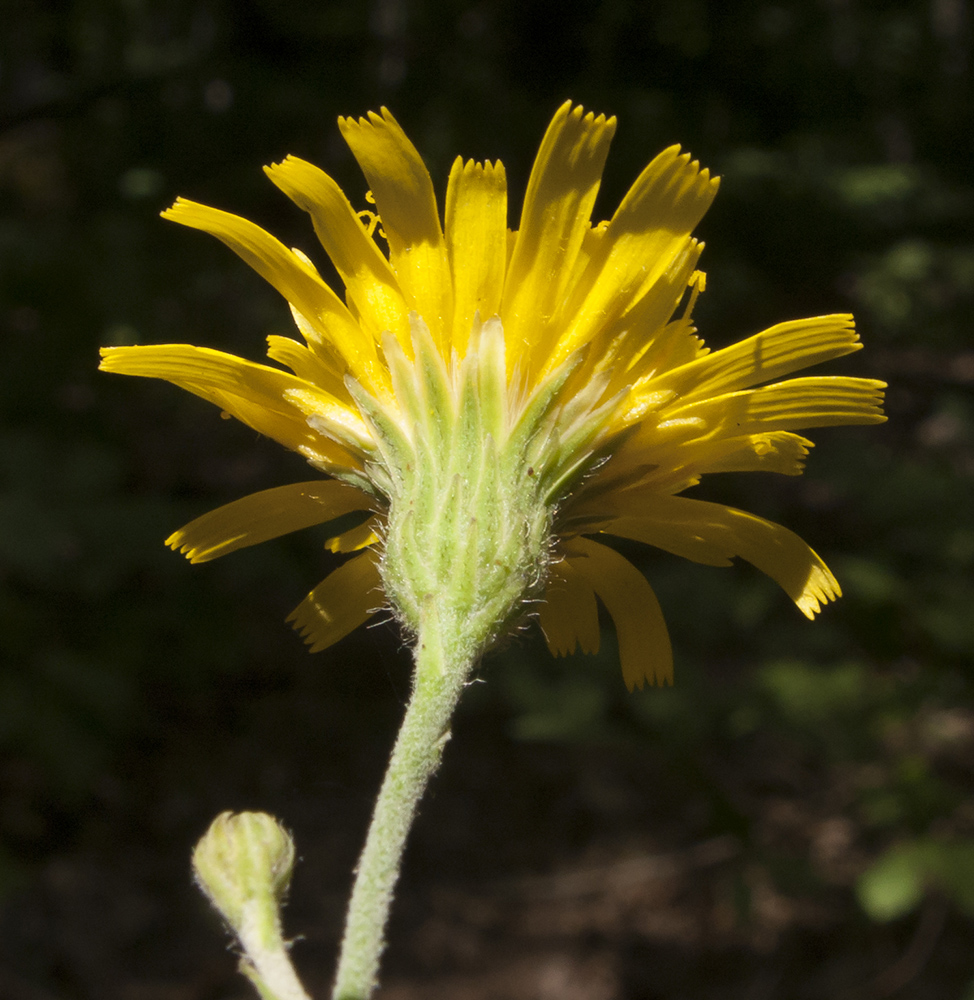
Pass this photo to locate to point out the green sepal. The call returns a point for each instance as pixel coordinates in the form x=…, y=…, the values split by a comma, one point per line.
x=393, y=445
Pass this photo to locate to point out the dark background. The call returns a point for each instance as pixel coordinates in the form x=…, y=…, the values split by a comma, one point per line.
x=793, y=819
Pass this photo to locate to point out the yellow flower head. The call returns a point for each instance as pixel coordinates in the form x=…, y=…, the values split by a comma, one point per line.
x=498, y=400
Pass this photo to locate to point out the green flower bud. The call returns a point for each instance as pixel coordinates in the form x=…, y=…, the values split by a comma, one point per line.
x=243, y=863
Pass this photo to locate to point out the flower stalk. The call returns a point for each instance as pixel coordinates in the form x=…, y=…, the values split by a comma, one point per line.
x=439, y=678
x=243, y=863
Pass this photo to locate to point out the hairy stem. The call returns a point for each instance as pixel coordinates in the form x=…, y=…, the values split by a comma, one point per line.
x=442, y=667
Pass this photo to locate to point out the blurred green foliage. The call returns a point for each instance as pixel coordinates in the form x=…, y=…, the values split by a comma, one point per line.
x=896, y=882
x=842, y=131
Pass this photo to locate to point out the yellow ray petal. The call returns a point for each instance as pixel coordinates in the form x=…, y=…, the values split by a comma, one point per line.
x=367, y=274
x=677, y=343
x=713, y=534
x=265, y=515
x=644, y=643
x=293, y=277
x=568, y=615
x=406, y=202
x=777, y=451
x=322, y=452
x=306, y=364
x=253, y=393
x=798, y=403
x=695, y=456
x=742, y=431
x=648, y=318
x=648, y=233
x=554, y=221
x=778, y=351
x=476, y=238
x=340, y=603
x=359, y=537
x=591, y=241
x=644, y=340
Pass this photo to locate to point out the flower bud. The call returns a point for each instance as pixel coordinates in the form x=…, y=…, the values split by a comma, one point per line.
x=243, y=863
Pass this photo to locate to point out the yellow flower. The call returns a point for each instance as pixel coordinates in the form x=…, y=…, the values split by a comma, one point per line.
x=562, y=354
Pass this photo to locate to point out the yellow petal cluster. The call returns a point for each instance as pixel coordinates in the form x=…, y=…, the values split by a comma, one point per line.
x=594, y=316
